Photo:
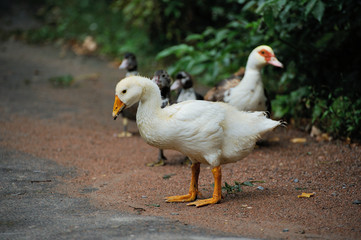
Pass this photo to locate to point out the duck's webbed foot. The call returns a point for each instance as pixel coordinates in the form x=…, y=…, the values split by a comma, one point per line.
x=193, y=190
x=205, y=202
x=191, y=196
x=158, y=163
x=217, y=193
x=187, y=161
x=161, y=160
x=125, y=132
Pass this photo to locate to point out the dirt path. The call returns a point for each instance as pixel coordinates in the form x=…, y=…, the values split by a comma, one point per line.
x=73, y=126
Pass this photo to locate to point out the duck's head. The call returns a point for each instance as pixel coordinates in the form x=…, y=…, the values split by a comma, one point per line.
x=261, y=56
x=129, y=62
x=127, y=92
x=183, y=80
x=162, y=79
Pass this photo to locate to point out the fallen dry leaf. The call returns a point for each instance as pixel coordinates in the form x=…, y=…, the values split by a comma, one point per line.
x=319, y=135
x=87, y=47
x=298, y=140
x=89, y=44
x=324, y=137
x=315, y=131
x=306, y=195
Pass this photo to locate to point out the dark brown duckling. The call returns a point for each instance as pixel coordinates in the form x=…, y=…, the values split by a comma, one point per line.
x=163, y=80
x=216, y=94
x=131, y=65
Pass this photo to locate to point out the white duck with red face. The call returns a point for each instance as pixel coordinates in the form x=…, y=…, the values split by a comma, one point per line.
x=249, y=94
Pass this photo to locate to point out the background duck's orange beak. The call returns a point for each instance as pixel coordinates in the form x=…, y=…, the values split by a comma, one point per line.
x=118, y=107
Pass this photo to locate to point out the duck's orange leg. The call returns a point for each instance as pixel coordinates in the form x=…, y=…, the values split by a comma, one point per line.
x=217, y=193
x=193, y=189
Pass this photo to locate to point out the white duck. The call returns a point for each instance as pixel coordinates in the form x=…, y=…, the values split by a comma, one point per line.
x=212, y=133
x=249, y=94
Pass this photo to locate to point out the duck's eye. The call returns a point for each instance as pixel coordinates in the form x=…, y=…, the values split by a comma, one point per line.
x=124, y=91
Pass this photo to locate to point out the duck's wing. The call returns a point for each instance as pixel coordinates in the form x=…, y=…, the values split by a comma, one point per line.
x=217, y=93
x=193, y=110
x=196, y=120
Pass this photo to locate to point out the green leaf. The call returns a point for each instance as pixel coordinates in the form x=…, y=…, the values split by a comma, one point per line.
x=167, y=176
x=208, y=31
x=310, y=6
x=198, y=69
x=261, y=6
x=325, y=38
x=194, y=37
x=248, y=183
x=318, y=10
x=268, y=17
x=178, y=51
x=280, y=4
x=235, y=24
x=222, y=34
x=248, y=5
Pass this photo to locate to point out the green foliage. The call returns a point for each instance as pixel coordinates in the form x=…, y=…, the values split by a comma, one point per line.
x=316, y=40
x=169, y=21
x=209, y=55
x=74, y=20
x=341, y=115
x=294, y=104
x=168, y=176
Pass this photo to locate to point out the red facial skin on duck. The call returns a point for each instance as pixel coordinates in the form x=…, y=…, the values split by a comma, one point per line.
x=270, y=58
x=266, y=54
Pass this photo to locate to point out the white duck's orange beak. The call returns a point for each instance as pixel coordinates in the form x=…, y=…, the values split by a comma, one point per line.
x=118, y=107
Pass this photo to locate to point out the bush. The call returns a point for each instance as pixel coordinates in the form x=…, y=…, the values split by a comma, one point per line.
x=316, y=40
x=74, y=20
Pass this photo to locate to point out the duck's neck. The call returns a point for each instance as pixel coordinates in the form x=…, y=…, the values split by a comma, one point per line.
x=150, y=102
x=149, y=114
x=252, y=73
x=186, y=94
x=132, y=73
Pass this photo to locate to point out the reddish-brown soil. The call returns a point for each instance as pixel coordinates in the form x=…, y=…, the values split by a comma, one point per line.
x=73, y=126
